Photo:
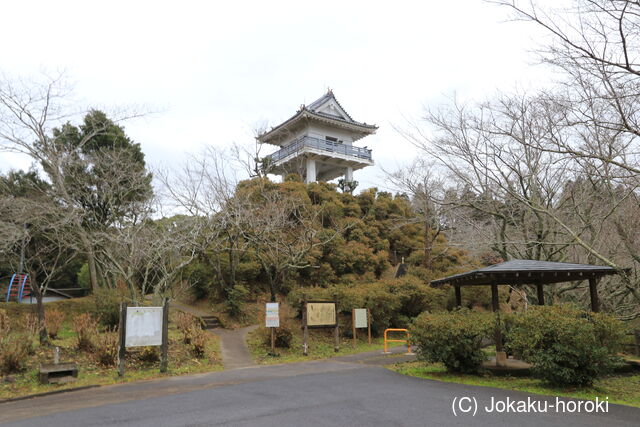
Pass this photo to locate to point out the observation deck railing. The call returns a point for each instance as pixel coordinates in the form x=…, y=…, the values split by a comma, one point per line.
x=322, y=145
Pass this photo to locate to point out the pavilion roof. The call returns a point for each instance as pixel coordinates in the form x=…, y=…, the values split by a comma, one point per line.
x=524, y=271
x=312, y=112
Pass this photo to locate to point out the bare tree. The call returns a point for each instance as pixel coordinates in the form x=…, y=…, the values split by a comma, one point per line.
x=148, y=255
x=32, y=113
x=36, y=233
x=595, y=44
x=283, y=231
x=205, y=189
x=425, y=189
x=540, y=204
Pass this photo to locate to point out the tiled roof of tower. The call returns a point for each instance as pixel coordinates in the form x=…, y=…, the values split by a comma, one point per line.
x=311, y=111
x=326, y=97
x=521, y=269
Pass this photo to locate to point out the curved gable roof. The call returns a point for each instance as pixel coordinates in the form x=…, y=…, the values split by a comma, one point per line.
x=317, y=111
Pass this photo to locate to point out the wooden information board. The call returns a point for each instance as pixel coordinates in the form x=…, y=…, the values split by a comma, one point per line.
x=321, y=314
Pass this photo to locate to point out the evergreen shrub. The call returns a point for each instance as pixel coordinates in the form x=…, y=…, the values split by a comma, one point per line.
x=107, y=306
x=452, y=338
x=567, y=346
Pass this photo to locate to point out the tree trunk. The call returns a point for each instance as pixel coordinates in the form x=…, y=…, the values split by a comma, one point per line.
x=43, y=335
x=91, y=261
x=272, y=285
x=426, y=261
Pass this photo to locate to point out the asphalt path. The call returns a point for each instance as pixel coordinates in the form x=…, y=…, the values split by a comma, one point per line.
x=347, y=391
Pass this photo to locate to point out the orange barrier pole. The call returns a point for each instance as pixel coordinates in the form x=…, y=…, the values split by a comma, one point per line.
x=386, y=340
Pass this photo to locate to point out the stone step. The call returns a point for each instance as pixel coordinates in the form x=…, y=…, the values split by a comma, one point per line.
x=210, y=322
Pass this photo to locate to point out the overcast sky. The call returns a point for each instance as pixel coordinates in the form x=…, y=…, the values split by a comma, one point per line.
x=216, y=69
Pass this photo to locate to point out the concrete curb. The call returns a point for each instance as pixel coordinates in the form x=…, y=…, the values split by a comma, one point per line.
x=48, y=393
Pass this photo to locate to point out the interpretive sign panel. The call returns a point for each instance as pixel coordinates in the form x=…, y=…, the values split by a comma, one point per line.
x=272, y=317
x=321, y=314
x=360, y=317
x=143, y=326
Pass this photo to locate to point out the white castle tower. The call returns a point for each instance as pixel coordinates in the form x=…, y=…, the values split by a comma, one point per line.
x=317, y=142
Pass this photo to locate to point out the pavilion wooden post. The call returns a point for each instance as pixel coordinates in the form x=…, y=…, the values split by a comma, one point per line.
x=593, y=291
x=458, y=297
x=496, y=308
x=540, y=290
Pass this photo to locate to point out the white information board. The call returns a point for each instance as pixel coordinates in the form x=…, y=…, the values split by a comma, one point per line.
x=272, y=317
x=144, y=326
x=361, y=317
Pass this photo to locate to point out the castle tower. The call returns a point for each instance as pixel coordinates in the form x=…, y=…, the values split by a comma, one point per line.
x=317, y=142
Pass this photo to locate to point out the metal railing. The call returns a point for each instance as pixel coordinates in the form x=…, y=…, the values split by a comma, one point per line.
x=323, y=145
x=387, y=340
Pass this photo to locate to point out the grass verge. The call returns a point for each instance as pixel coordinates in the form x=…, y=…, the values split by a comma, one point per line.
x=321, y=344
x=620, y=389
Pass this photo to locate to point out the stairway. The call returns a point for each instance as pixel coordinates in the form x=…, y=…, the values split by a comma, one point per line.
x=19, y=287
x=210, y=322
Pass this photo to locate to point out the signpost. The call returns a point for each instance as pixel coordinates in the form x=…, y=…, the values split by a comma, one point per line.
x=320, y=314
x=361, y=319
x=272, y=321
x=144, y=326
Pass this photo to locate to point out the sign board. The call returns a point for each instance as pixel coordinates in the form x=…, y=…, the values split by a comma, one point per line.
x=360, y=317
x=272, y=317
x=144, y=326
x=321, y=314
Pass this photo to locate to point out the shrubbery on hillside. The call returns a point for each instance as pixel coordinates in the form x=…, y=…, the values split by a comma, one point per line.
x=362, y=235
x=392, y=302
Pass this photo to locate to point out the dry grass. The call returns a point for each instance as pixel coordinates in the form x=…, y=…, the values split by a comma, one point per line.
x=97, y=367
x=53, y=320
x=86, y=329
x=5, y=325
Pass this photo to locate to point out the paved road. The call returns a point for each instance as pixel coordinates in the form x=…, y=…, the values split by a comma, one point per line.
x=346, y=391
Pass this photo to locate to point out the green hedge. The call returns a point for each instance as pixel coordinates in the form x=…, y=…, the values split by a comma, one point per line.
x=393, y=303
x=566, y=346
x=452, y=338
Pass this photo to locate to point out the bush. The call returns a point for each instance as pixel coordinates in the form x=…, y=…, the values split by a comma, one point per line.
x=452, y=338
x=86, y=329
x=235, y=300
x=5, y=325
x=106, y=349
x=198, y=342
x=30, y=329
x=107, y=306
x=185, y=322
x=13, y=353
x=30, y=325
x=83, y=276
x=566, y=346
x=393, y=303
x=283, y=337
x=53, y=321
x=149, y=354
x=283, y=333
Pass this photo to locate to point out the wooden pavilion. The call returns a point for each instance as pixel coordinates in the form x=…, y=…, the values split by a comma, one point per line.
x=528, y=272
